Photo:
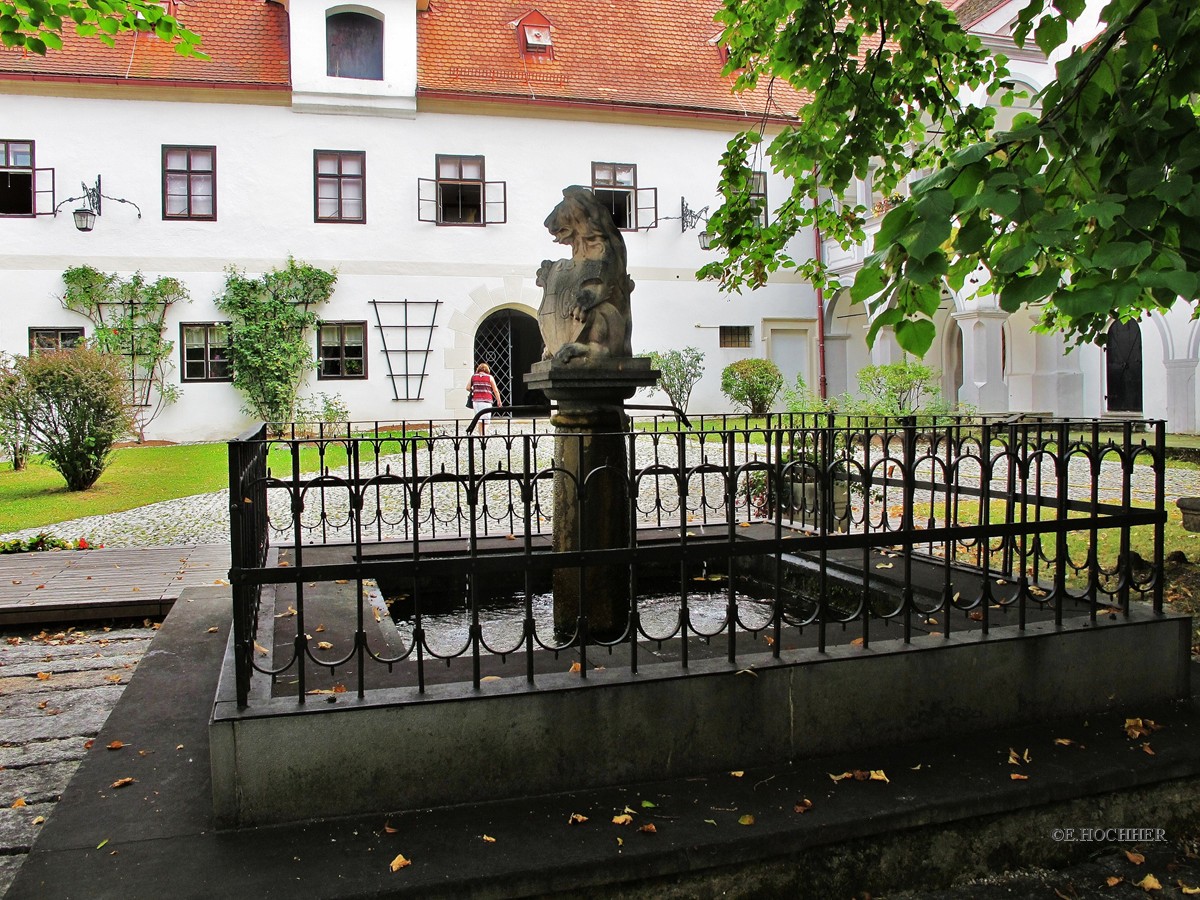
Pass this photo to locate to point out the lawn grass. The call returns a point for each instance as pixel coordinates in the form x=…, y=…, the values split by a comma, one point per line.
x=136, y=477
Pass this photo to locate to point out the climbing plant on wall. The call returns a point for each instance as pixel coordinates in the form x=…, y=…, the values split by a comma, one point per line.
x=129, y=315
x=269, y=316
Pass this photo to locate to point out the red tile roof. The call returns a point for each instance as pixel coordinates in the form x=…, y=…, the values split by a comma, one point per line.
x=659, y=54
x=247, y=40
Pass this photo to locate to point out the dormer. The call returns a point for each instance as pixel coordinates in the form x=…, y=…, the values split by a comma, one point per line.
x=534, y=40
x=354, y=58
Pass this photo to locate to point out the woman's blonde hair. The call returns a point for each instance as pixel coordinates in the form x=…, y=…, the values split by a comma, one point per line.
x=485, y=368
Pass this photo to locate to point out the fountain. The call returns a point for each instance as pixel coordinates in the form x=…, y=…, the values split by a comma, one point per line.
x=589, y=371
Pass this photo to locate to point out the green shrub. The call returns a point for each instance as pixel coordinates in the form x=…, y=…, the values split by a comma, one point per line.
x=75, y=405
x=752, y=384
x=679, y=371
x=14, y=434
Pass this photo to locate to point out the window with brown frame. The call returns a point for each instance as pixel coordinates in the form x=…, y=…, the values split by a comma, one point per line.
x=616, y=187
x=460, y=195
x=738, y=336
x=205, y=350
x=47, y=340
x=189, y=182
x=341, y=180
x=758, y=195
x=342, y=350
x=16, y=178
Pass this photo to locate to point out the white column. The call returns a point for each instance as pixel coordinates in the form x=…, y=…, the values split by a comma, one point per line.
x=983, y=359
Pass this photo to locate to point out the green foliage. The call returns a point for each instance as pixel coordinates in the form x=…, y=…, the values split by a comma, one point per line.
x=37, y=25
x=75, y=405
x=1088, y=207
x=752, y=384
x=14, y=433
x=898, y=389
x=800, y=398
x=321, y=409
x=884, y=78
x=43, y=541
x=680, y=370
x=268, y=349
x=129, y=316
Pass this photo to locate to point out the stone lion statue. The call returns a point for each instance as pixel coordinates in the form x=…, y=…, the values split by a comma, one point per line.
x=585, y=303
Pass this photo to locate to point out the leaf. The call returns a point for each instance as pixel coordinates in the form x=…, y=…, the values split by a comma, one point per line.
x=319, y=629
x=1147, y=750
x=712, y=822
x=115, y=679
x=1149, y=883
x=802, y=806
x=647, y=804
x=575, y=667
x=389, y=828
x=213, y=630
x=885, y=565
x=623, y=819
x=18, y=803
x=747, y=819
x=115, y=745
x=1064, y=742
x=1017, y=776
x=101, y=844
x=648, y=828
x=488, y=839
x=40, y=819
x=43, y=676
x=878, y=775
x=1113, y=880
x=1134, y=857
x=260, y=648
x=123, y=782
x=842, y=777
x=324, y=645
x=1182, y=887
x=399, y=862
x=576, y=819
x=737, y=773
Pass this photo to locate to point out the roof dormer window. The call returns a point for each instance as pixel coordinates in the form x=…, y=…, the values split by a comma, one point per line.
x=533, y=35
x=354, y=46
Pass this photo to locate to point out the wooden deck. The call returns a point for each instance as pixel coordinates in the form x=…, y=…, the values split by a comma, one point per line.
x=77, y=585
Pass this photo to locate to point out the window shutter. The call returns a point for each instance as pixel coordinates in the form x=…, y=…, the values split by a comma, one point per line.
x=495, y=202
x=647, y=207
x=427, y=200
x=43, y=192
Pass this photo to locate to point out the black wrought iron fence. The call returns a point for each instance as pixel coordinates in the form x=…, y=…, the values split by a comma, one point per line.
x=748, y=535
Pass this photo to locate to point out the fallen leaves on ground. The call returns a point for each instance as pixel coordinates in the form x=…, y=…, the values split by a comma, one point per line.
x=623, y=819
x=488, y=839
x=324, y=645
x=123, y=782
x=737, y=773
x=861, y=775
x=1150, y=883
x=287, y=613
x=1134, y=728
x=213, y=630
x=263, y=651
x=1067, y=742
x=40, y=819
x=399, y=862
x=649, y=804
x=575, y=667
x=43, y=676
x=1016, y=759
x=1184, y=888
x=319, y=628
x=389, y=828
x=803, y=806
x=1017, y=776
x=576, y=819
x=648, y=828
x=747, y=819
x=113, y=679
x=18, y=803
x=115, y=745
x=1134, y=857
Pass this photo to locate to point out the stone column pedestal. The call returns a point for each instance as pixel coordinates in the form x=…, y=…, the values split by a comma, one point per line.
x=591, y=489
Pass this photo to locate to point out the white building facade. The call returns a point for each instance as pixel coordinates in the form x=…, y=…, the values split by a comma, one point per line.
x=416, y=149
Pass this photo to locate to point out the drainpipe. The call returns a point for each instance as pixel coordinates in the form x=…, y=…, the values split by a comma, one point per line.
x=822, y=382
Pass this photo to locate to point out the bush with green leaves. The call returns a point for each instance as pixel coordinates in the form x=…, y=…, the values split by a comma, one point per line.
x=14, y=433
x=752, y=384
x=75, y=404
x=268, y=350
x=904, y=388
x=129, y=315
x=679, y=370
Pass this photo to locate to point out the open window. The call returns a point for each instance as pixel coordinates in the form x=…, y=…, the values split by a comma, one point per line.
x=25, y=190
x=615, y=186
x=354, y=46
x=460, y=195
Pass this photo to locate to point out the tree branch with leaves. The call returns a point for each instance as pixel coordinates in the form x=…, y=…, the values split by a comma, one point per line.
x=37, y=25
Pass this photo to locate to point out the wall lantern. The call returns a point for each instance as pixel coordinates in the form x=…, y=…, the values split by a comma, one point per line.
x=85, y=216
x=689, y=218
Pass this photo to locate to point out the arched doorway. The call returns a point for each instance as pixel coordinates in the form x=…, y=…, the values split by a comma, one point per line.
x=510, y=342
x=1123, y=367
